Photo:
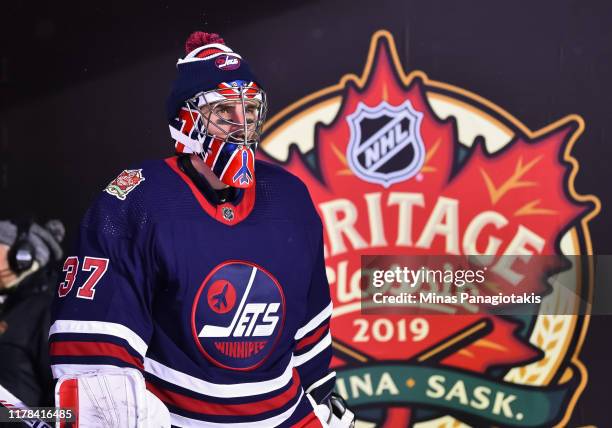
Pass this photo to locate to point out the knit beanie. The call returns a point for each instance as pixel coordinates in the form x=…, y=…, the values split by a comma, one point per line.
x=208, y=62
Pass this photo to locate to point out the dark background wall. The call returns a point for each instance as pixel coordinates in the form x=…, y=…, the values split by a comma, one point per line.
x=82, y=87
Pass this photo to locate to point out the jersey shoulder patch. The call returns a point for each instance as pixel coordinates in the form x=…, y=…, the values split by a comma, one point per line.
x=125, y=182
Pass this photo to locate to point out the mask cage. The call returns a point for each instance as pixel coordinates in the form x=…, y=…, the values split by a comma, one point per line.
x=232, y=115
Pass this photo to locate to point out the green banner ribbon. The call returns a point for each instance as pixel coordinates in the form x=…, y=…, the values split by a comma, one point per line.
x=454, y=391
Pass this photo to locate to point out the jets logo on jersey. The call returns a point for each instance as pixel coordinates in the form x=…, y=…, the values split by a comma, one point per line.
x=125, y=183
x=385, y=146
x=238, y=315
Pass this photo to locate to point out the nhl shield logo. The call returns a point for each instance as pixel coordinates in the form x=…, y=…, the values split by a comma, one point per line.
x=228, y=213
x=385, y=146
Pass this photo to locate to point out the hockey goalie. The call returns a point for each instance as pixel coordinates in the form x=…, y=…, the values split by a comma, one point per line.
x=197, y=293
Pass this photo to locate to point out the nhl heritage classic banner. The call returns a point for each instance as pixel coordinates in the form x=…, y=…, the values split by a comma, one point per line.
x=397, y=163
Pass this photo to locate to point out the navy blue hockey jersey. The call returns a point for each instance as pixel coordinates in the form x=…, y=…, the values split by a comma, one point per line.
x=224, y=308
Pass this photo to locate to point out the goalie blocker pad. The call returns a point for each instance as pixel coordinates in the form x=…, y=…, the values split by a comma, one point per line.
x=114, y=397
x=329, y=407
x=333, y=413
x=341, y=416
x=321, y=390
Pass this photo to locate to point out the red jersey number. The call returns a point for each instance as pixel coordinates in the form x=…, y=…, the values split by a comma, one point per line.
x=97, y=266
x=71, y=266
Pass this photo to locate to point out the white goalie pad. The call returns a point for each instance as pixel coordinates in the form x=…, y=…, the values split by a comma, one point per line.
x=112, y=398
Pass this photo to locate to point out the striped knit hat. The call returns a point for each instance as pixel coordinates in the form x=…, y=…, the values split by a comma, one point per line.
x=208, y=62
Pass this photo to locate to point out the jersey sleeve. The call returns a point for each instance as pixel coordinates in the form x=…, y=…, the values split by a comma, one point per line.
x=102, y=310
x=313, y=352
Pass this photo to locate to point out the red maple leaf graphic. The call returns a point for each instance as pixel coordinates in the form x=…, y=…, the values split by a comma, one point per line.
x=524, y=186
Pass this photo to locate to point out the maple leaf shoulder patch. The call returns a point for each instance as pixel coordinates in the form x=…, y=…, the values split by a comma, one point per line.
x=125, y=182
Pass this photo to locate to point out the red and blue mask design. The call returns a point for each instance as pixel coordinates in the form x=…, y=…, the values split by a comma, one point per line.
x=222, y=122
x=224, y=127
x=233, y=164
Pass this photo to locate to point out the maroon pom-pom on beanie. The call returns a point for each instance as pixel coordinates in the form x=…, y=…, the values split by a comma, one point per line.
x=200, y=38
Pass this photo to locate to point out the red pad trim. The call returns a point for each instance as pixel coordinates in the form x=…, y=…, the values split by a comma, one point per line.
x=69, y=399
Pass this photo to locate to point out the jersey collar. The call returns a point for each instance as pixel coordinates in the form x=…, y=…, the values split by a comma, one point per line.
x=229, y=213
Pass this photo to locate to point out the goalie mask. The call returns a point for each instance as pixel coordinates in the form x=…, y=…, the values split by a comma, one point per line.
x=216, y=109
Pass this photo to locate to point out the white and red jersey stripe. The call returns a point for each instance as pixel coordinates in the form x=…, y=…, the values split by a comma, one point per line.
x=85, y=346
